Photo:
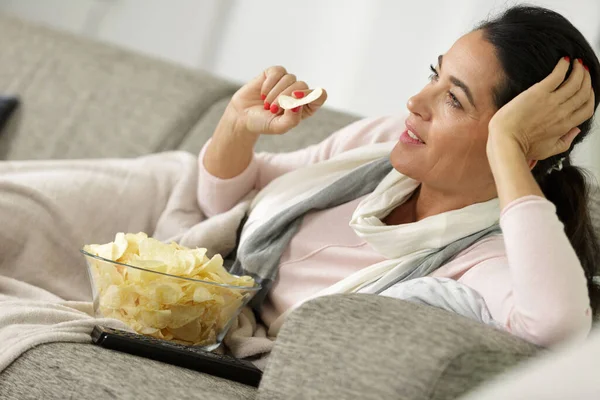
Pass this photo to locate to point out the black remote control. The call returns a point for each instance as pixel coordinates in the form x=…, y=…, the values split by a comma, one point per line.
x=178, y=354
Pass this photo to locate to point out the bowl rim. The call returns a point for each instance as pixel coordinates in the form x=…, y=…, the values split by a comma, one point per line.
x=256, y=287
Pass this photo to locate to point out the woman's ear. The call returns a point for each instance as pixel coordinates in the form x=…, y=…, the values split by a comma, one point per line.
x=532, y=164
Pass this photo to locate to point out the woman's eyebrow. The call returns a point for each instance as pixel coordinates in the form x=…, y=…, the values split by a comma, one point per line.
x=457, y=82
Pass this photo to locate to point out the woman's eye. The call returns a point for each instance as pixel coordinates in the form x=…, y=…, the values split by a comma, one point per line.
x=434, y=74
x=454, y=101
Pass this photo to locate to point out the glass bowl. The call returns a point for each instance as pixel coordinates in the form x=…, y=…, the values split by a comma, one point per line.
x=165, y=306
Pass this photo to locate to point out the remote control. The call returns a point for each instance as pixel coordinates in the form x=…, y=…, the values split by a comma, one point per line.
x=178, y=354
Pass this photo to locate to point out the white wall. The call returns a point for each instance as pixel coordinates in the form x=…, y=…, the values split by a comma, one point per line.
x=186, y=31
x=65, y=14
x=370, y=55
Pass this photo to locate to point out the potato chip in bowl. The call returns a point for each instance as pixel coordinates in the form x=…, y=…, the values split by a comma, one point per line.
x=165, y=290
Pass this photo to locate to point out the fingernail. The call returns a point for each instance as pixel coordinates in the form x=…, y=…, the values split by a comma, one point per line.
x=267, y=105
x=567, y=59
x=274, y=108
x=298, y=94
x=263, y=96
x=296, y=109
x=580, y=61
x=586, y=68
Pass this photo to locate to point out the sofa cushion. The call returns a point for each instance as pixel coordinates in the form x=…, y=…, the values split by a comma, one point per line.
x=310, y=131
x=568, y=372
x=374, y=347
x=85, y=99
x=86, y=371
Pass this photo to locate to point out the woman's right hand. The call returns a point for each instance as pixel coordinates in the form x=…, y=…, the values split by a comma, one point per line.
x=254, y=107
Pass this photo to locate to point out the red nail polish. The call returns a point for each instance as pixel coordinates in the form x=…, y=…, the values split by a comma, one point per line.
x=274, y=108
x=580, y=61
x=298, y=94
x=296, y=109
x=586, y=68
x=267, y=105
x=263, y=96
x=567, y=59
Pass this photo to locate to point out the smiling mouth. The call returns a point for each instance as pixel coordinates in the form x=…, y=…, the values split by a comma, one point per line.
x=409, y=137
x=413, y=136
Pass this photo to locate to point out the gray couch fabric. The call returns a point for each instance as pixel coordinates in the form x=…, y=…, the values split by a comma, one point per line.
x=373, y=347
x=83, y=371
x=83, y=99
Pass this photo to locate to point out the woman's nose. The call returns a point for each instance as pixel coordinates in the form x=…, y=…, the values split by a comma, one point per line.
x=418, y=105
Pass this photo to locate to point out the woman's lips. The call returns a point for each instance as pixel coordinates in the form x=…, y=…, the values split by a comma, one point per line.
x=405, y=138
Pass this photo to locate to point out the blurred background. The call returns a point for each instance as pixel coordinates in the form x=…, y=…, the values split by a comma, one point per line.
x=370, y=55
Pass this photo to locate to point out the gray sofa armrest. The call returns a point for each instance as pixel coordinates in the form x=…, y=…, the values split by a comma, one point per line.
x=375, y=347
x=85, y=371
x=87, y=99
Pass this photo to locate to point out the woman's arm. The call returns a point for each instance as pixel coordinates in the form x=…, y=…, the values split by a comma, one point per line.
x=547, y=299
x=217, y=195
x=538, y=290
x=539, y=123
x=252, y=111
x=512, y=172
x=230, y=149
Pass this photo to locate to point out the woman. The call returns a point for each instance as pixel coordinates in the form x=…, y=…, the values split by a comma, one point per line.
x=498, y=119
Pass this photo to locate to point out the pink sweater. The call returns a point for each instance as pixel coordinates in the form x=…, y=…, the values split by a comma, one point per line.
x=530, y=276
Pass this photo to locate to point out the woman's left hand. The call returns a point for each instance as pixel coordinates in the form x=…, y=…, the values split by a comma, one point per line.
x=543, y=119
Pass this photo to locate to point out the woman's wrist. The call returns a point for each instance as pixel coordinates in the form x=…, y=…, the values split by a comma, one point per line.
x=502, y=148
x=231, y=148
x=231, y=127
x=511, y=169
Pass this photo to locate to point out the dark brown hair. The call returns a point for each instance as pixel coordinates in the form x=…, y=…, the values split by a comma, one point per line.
x=529, y=41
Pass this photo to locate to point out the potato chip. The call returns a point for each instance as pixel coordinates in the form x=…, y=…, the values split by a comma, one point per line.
x=189, y=332
x=152, y=302
x=107, y=276
x=101, y=250
x=201, y=295
x=164, y=292
x=288, y=102
x=183, y=315
x=156, y=319
x=132, y=250
x=119, y=246
x=118, y=297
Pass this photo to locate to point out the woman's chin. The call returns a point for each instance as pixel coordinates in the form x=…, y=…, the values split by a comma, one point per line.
x=403, y=162
x=403, y=167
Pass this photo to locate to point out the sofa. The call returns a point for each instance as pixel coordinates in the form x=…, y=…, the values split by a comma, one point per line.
x=84, y=99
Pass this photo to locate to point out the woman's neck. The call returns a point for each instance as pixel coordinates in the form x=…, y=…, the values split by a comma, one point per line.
x=427, y=201
x=430, y=202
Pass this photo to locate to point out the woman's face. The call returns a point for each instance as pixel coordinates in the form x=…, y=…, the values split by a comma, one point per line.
x=450, y=115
